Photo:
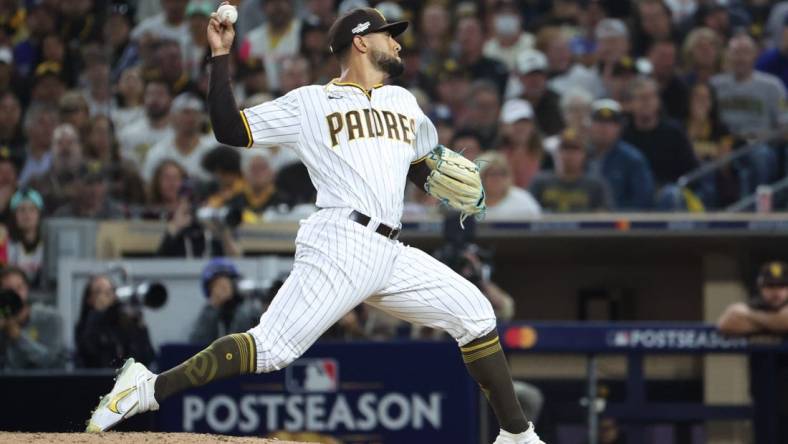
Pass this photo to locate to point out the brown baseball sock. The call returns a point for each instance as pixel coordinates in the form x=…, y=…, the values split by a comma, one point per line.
x=486, y=363
x=227, y=356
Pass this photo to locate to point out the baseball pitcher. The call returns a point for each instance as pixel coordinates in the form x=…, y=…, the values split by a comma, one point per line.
x=360, y=140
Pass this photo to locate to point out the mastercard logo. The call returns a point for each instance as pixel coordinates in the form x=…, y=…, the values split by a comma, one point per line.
x=520, y=337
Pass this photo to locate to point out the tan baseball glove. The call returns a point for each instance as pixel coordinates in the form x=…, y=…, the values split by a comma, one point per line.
x=455, y=181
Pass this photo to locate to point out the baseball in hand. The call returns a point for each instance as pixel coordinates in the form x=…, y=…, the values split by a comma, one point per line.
x=227, y=13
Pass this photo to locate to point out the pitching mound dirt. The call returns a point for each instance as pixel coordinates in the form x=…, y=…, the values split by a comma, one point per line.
x=130, y=438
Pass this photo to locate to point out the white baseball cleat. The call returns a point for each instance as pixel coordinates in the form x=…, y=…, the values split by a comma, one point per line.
x=527, y=437
x=131, y=394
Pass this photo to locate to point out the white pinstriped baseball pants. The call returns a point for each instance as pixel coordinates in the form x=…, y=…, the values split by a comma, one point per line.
x=339, y=264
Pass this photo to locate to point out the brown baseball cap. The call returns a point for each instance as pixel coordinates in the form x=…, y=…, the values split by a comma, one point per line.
x=360, y=21
x=773, y=274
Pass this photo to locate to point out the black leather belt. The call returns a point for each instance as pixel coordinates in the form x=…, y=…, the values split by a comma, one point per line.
x=383, y=229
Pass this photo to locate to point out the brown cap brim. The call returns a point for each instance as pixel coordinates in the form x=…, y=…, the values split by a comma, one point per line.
x=394, y=29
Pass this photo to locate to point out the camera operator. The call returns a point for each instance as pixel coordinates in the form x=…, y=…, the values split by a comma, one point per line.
x=767, y=313
x=110, y=330
x=30, y=334
x=189, y=236
x=474, y=264
x=226, y=311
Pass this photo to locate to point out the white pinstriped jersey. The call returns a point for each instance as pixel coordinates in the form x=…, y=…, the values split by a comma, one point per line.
x=357, y=145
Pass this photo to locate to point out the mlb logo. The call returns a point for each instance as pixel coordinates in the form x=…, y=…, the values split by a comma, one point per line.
x=620, y=339
x=312, y=375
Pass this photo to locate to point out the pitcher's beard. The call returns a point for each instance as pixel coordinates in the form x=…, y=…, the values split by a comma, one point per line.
x=387, y=64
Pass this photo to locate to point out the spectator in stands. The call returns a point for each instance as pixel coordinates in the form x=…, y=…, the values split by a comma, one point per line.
x=251, y=80
x=662, y=141
x=186, y=236
x=39, y=125
x=618, y=80
x=169, y=67
x=48, y=85
x=278, y=37
x=224, y=164
x=653, y=23
x=26, y=247
x=504, y=199
x=125, y=183
x=701, y=55
x=226, y=310
x=55, y=56
x=324, y=66
x=108, y=330
x=531, y=69
x=195, y=49
x=187, y=145
x=11, y=135
x=58, y=183
x=40, y=21
x=452, y=88
x=469, y=37
x=672, y=89
x=775, y=60
x=623, y=167
x=483, y=106
x=467, y=142
x=435, y=31
x=129, y=99
x=168, y=180
x=612, y=44
x=564, y=74
x=9, y=171
x=259, y=190
x=98, y=88
x=751, y=106
x=570, y=189
x=91, y=195
x=170, y=23
x=520, y=141
x=750, y=101
x=767, y=312
x=295, y=73
x=73, y=109
x=576, y=111
x=711, y=140
x=140, y=135
x=508, y=38
x=116, y=32
x=32, y=337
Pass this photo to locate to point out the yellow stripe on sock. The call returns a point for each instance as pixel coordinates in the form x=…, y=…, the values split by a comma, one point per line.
x=252, y=352
x=481, y=354
x=248, y=130
x=478, y=346
x=241, y=352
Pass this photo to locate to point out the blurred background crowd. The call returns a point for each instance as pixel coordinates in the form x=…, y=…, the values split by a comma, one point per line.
x=567, y=105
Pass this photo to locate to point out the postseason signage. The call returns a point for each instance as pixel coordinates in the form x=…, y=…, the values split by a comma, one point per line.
x=355, y=392
x=626, y=337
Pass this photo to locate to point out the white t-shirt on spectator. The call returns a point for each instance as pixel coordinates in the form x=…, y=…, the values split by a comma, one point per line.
x=137, y=138
x=578, y=76
x=160, y=29
x=165, y=149
x=123, y=117
x=518, y=204
x=508, y=55
x=258, y=44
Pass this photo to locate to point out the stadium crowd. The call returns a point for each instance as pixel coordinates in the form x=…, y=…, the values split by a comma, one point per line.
x=568, y=106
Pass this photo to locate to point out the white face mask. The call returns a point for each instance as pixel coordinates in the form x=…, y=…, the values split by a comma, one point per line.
x=507, y=24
